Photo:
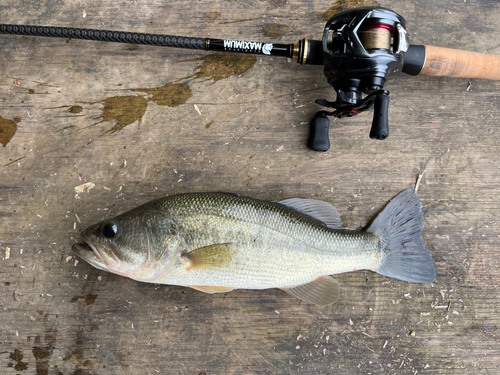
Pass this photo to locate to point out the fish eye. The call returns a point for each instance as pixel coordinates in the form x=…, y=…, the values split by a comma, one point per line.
x=109, y=230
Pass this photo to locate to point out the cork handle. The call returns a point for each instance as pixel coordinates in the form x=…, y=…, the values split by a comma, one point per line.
x=447, y=62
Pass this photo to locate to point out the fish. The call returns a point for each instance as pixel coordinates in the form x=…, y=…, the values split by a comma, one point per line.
x=218, y=242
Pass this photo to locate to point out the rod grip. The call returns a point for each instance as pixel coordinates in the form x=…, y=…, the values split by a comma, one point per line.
x=446, y=62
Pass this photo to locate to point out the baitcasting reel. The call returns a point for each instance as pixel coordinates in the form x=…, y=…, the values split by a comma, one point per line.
x=360, y=50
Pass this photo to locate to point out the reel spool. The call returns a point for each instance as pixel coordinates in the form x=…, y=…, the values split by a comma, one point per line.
x=362, y=48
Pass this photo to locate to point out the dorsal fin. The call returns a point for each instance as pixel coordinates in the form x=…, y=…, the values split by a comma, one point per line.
x=323, y=291
x=319, y=210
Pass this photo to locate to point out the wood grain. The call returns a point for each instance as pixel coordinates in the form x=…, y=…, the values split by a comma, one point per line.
x=121, y=117
x=447, y=62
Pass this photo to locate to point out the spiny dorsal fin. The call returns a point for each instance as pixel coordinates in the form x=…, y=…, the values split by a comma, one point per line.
x=209, y=257
x=323, y=291
x=211, y=289
x=319, y=210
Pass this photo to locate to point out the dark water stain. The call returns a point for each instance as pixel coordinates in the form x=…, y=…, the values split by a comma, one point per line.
x=132, y=47
x=7, y=283
x=78, y=356
x=211, y=17
x=209, y=124
x=42, y=356
x=221, y=65
x=343, y=5
x=41, y=353
x=170, y=95
x=42, y=369
x=78, y=352
x=126, y=110
x=274, y=30
x=21, y=366
x=89, y=299
x=7, y=129
x=18, y=357
x=31, y=91
x=51, y=337
x=75, y=109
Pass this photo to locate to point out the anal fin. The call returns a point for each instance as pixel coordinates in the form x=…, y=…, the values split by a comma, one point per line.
x=211, y=289
x=323, y=291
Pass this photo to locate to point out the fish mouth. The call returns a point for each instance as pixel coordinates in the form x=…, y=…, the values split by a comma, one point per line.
x=89, y=253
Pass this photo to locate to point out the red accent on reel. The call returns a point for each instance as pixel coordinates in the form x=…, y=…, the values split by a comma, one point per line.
x=380, y=26
x=350, y=113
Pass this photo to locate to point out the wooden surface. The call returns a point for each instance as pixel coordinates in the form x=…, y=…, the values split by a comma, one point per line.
x=143, y=122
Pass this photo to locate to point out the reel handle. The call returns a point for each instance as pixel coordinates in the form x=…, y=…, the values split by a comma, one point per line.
x=319, y=139
x=380, y=124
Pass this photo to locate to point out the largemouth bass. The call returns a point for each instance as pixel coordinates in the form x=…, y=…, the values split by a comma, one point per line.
x=217, y=242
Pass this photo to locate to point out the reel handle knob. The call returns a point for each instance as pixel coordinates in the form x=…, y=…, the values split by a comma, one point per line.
x=380, y=124
x=319, y=139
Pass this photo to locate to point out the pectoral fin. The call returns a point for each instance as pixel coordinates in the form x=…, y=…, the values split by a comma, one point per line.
x=211, y=289
x=209, y=257
x=323, y=291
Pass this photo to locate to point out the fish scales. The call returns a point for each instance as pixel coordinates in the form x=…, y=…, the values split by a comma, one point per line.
x=277, y=246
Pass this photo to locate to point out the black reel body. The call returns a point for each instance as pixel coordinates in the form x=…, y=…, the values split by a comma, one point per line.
x=362, y=48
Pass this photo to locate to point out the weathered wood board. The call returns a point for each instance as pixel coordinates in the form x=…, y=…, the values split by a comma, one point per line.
x=143, y=122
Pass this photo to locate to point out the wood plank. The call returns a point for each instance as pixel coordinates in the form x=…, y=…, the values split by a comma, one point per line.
x=124, y=118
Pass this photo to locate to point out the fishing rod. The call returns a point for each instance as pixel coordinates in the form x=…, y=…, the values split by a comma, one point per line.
x=360, y=50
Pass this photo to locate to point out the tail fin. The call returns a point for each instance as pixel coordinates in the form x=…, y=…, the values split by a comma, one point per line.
x=399, y=227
